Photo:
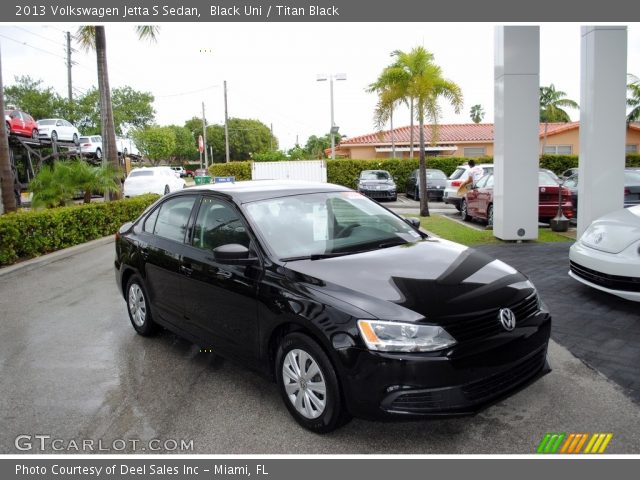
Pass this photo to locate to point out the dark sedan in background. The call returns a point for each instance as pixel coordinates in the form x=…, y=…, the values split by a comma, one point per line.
x=377, y=184
x=478, y=202
x=436, y=183
x=350, y=308
x=631, y=189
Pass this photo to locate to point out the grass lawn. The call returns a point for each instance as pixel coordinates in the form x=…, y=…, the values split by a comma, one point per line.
x=451, y=230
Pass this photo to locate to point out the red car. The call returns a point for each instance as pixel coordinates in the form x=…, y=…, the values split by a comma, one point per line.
x=478, y=202
x=20, y=123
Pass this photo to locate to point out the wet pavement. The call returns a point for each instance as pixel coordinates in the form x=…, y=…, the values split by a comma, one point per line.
x=72, y=368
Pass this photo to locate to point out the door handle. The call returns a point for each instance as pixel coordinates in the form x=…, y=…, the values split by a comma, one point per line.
x=223, y=274
x=186, y=269
x=144, y=252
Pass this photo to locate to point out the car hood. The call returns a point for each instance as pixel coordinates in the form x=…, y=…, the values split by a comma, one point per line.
x=377, y=182
x=615, y=231
x=430, y=279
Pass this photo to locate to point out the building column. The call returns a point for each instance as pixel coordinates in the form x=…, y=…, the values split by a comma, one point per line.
x=516, y=132
x=603, y=72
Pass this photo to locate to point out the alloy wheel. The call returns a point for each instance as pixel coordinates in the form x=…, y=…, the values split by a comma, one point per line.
x=137, y=305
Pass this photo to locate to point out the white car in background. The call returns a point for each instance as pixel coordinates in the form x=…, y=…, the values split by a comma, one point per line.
x=456, y=179
x=126, y=147
x=607, y=255
x=160, y=180
x=58, y=129
x=91, y=146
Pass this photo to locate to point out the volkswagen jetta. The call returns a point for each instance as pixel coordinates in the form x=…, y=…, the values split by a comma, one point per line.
x=351, y=309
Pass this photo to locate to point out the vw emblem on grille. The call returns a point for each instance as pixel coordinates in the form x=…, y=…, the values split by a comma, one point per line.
x=597, y=238
x=507, y=319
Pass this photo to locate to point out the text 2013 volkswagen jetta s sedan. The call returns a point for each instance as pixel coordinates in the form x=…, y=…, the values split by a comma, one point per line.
x=350, y=308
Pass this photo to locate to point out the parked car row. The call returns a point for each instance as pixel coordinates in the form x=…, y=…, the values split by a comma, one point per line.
x=631, y=189
x=477, y=203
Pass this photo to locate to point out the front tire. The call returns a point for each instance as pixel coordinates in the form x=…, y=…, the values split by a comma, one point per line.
x=138, y=307
x=54, y=136
x=309, y=385
x=76, y=140
x=34, y=134
x=464, y=211
x=416, y=195
x=490, y=216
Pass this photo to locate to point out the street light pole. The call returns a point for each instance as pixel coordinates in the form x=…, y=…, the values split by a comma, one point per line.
x=334, y=128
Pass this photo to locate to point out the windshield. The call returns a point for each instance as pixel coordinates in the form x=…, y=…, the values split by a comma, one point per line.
x=46, y=122
x=141, y=173
x=546, y=180
x=326, y=224
x=366, y=175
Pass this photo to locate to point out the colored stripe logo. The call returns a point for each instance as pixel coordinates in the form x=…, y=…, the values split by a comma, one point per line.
x=587, y=443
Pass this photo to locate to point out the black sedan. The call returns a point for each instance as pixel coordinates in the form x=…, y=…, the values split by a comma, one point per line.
x=436, y=183
x=351, y=309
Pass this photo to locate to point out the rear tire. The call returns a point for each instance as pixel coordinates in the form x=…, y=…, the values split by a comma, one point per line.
x=309, y=385
x=34, y=134
x=138, y=307
x=98, y=153
x=464, y=210
x=490, y=216
x=76, y=140
x=54, y=136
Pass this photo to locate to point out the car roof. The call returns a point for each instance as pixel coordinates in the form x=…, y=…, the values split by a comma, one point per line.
x=254, y=190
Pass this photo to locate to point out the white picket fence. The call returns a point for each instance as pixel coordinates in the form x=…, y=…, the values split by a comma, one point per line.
x=307, y=170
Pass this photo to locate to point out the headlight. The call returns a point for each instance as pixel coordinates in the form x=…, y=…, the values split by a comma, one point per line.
x=403, y=337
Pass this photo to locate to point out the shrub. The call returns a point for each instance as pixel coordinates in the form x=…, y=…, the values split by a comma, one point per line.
x=34, y=233
x=240, y=170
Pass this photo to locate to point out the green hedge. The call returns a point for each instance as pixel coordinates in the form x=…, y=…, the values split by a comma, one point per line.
x=32, y=233
x=345, y=171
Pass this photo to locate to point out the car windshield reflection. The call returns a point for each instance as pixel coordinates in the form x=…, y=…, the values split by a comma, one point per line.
x=322, y=225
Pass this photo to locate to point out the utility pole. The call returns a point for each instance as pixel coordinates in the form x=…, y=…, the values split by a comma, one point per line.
x=69, y=67
x=204, y=137
x=226, y=125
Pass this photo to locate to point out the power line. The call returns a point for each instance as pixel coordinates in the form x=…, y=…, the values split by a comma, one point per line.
x=38, y=35
x=187, y=93
x=31, y=46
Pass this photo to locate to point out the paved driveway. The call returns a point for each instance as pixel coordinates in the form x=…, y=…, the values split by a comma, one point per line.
x=71, y=367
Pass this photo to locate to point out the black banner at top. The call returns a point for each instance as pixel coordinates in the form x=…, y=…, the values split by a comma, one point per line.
x=317, y=11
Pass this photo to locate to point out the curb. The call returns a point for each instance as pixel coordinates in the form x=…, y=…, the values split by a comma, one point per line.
x=49, y=258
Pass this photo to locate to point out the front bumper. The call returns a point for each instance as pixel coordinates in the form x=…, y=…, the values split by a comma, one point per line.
x=616, y=274
x=379, y=194
x=459, y=381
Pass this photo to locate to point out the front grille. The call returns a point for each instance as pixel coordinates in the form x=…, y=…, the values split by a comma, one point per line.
x=487, y=323
x=494, y=385
x=614, y=282
x=461, y=398
x=378, y=193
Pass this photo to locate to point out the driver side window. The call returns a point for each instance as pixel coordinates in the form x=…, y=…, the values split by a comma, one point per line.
x=218, y=224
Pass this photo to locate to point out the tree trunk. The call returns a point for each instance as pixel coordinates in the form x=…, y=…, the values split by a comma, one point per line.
x=393, y=137
x=87, y=196
x=411, y=130
x=544, y=138
x=110, y=150
x=424, y=204
x=9, y=203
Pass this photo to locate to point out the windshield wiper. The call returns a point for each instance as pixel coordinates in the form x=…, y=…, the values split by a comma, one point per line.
x=320, y=256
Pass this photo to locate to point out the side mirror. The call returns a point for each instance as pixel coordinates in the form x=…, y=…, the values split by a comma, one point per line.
x=357, y=180
x=413, y=221
x=233, y=254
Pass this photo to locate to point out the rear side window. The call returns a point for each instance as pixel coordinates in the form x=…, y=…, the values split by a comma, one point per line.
x=173, y=218
x=457, y=173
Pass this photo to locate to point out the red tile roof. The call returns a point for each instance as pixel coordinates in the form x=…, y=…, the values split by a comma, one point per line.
x=447, y=133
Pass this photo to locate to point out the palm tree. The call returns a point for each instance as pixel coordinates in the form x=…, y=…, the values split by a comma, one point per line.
x=550, y=102
x=94, y=38
x=633, y=100
x=9, y=203
x=88, y=178
x=477, y=113
x=420, y=82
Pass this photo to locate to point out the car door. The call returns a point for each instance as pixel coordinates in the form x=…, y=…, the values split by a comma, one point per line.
x=162, y=248
x=17, y=122
x=484, y=195
x=412, y=181
x=221, y=300
x=473, y=198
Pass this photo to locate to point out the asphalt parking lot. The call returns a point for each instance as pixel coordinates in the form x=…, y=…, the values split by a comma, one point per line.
x=73, y=369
